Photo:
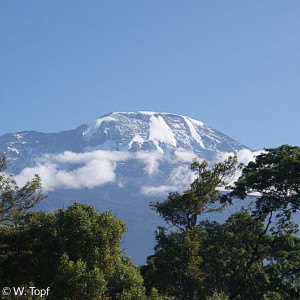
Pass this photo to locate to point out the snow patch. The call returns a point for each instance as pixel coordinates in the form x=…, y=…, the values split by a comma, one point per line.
x=137, y=139
x=197, y=122
x=94, y=126
x=194, y=133
x=185, y=156
x=161, y=132
x=149, y=113
x=13, y=150
x=19, y=138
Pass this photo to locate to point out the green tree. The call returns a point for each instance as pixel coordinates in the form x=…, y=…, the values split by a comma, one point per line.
x=174, y=269
x=233, y=256
x=15, y=200
x=217, y=296
x=237, y=258
x=244, y=258
x=75, y=251
x=275, y=176
x=74, y=280
x=184, y=210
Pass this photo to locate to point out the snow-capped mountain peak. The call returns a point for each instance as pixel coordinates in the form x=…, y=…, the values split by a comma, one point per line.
x=121, y=131
x=139, y=131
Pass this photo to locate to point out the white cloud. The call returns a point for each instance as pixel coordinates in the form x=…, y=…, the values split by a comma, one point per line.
x=96, y=168
x=46, y=171
x=157, y=190
x=79, y=158
x=244, y=156
x=180, y=178
x=185, y=156
x=84, y=170
x=93, y=173
x=151, y=159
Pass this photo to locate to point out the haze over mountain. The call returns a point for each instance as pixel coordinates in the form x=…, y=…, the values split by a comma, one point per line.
x=120, y=161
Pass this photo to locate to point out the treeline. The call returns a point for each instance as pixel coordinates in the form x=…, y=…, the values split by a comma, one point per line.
x=76, y=252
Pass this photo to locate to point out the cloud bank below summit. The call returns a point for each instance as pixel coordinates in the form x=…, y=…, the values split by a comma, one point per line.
x=70, y=170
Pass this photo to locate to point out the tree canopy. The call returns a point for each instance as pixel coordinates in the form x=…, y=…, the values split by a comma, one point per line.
x=75, y=251
x=15, y=200
x=243, y=258
x=183, y=210
x=274, y=177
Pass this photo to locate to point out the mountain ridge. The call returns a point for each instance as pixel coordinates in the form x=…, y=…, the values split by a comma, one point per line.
x=120, y=131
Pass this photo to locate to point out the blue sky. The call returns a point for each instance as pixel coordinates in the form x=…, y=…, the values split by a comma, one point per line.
x=235, y=65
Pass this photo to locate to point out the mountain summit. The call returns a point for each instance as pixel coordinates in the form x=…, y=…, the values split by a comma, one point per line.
x=153, y=131
x=120, y=131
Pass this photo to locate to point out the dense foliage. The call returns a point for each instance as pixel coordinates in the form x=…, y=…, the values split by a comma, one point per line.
x=247, y=257
x=254, y=254
x=74, y=251
x=275, y=176
x=184, y=210
x=15, y=200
